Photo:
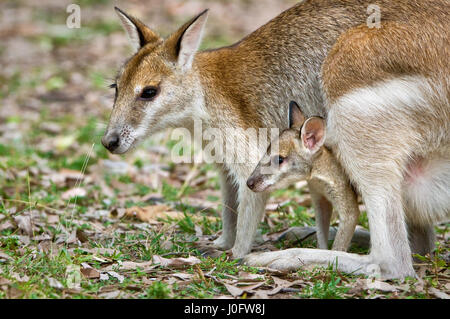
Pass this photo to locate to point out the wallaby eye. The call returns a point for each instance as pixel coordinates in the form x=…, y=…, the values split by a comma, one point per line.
x=280, y=160
x=114, y=86
x=148, y=93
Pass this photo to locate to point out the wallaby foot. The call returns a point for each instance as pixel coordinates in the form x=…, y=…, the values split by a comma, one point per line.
x=296, y=258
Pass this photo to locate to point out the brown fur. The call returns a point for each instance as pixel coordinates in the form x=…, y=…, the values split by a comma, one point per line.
x=246, y=84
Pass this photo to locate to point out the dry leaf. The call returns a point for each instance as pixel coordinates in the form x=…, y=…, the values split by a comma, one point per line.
x=151, y=214
x=110, y=295
x=233, y=290
x=74, y=192
x=237, y=291
x=5, y=256
x=24, y=223
x=439, y=294
x=89, y=272
x=52, y=219
x=281, y=284
x=246, y=276
x=130, y=265
x=4, y=281
x=175, y=262
x=66, y=177
x=7, y=225
x=104, y=277
x=81, y=235
x=183, y=276
x=55, y=283
x=120, y=278
x=381, y=285
x=19, y=278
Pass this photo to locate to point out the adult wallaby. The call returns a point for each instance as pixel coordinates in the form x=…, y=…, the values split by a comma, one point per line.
x=302, y=156
x=384, y=92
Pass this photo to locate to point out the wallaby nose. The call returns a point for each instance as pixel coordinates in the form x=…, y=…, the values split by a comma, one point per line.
x=251, y=183
x=111, y=141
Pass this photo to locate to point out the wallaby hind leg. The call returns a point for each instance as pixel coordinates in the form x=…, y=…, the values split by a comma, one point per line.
x=323, y=210
x=229, y=212
x=421, y=238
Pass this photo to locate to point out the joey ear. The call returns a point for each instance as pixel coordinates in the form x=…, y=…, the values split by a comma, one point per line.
x=138, y=33
x=183, y=44
x=296, y=117
x=313, y=134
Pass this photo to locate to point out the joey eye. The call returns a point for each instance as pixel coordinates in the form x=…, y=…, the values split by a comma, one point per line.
x=148, y=93
x=278, y=160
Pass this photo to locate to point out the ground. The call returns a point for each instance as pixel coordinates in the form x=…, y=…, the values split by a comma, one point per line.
x=78, y=222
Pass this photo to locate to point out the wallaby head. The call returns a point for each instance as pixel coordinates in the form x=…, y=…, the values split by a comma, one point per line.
x=298, y=146
x=157, y=87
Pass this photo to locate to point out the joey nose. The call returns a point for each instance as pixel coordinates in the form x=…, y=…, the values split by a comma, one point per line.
x=111, y=141
x=251, y=183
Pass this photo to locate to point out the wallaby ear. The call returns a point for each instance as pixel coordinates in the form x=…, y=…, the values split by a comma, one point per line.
x=184, y=43
x=138, y=33
x=296, y=117
x=313, y=134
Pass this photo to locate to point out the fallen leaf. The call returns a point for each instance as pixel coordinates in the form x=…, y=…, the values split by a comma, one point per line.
x=5, y=256
x=237, y=291
x=281, y=284
x=24, y=223
x=130, y=265
x=67, y=177
x=116, y=167
x=233, y=290
x=55, y=283
x=104, y=277
x=120, y=278
x=72, y=237
x=198, y=230
x=175, y=262
x=63, y=142
x=110, y=295
x=7, y=225
x=183, y=276
x=439, y=294
x=151, y=214
x=246, y=276
x=74, y=192
x=19, y=278
x=381, y=285
x=81, y=235
x=89, y=272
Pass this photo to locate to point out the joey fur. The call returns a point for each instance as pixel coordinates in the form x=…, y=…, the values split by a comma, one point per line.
x=302, y=156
